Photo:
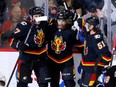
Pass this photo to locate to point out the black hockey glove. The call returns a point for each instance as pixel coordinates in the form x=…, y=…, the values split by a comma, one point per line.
x=71, y=15
x=22, y=46
x=6, y=35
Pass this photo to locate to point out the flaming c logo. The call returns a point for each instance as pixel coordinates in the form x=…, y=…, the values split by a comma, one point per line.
x=39, y=38
x=58, y=44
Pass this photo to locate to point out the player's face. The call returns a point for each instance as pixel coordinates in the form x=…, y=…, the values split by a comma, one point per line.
x=36, y=16
x=61, y=23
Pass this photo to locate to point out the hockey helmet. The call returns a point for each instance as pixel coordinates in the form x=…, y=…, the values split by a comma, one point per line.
x=35, y=10
x=62, y=16
x=93, y=21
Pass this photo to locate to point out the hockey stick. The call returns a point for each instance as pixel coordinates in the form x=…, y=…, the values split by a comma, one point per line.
x=12, y=73
x=42, y=18
x=65, y=5
x=19, y=56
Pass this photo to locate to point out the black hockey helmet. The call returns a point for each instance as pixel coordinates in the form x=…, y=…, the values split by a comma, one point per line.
x=62, y=16
x=93, y=21
x=35, y=10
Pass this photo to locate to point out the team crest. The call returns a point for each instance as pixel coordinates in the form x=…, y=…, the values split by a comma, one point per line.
x=58, y=44
x=39, y=38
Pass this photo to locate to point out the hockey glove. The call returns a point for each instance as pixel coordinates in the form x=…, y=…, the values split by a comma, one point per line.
x=71, y=15
x=22, y=46
x=75, y=26
x=6, y=35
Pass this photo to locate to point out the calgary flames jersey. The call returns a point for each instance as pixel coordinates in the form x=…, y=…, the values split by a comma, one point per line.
x=95, y=51
x=60, y=42
x=36, y=39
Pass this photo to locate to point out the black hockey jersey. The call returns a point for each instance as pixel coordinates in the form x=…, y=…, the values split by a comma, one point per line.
x=95, y=51
x=36, y=39
x=60, y=42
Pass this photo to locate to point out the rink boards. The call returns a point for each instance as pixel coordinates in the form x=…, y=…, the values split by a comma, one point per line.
x=8, y=60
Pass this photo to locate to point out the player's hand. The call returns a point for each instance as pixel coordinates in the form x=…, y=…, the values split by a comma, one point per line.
x=71, y=15
x=22, y=46
x=6, y=35
x=75, y=26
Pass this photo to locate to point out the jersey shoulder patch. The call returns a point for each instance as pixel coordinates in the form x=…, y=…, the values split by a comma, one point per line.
x=100, y=40
x=22, y=25
x=98, y=37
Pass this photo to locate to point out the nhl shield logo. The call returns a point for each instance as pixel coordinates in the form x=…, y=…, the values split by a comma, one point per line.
x=58, y=44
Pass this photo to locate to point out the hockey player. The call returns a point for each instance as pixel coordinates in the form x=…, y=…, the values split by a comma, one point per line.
x=32, y=49
x=95, y=54
x=60, y=41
